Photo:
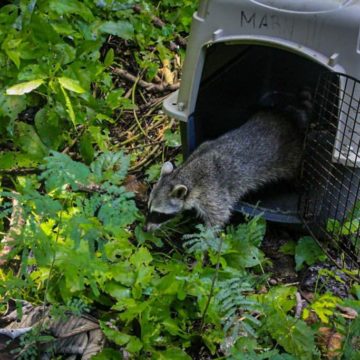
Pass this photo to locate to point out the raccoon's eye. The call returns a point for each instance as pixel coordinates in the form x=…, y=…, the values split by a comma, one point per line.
x=158, y=217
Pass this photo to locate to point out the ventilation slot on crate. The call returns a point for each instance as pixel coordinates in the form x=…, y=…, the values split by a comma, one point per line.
x=330, y=203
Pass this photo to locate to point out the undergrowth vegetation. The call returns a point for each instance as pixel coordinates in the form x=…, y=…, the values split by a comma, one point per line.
x=72, y=228
x=163, y=301
x=56, y=64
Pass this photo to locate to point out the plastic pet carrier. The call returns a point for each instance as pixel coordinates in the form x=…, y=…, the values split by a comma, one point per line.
x=244, y=54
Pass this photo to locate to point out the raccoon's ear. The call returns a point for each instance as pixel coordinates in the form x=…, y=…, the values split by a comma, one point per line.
x=179, y=191
x=167, y=168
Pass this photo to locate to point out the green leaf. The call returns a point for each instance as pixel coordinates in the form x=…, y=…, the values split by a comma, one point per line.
x=25, y=87
x=110, y=166
x=288, y=248
x=333, y=226
x=71, y=85
x=324, y=307
x=351, y=344
x=350, y=227
x=279, y=297
x=69, y=107
x=13, y=159
x=142, y=256
x=29, y=142
x=48, y=127
x=121, y=339
x=8, y=14
x=65, y=7
x=292, y=334
x=100, y=137
x=60, y=170
x=42, y=30
x=122, y=272
x=356, y=291
x=32, y=72
x=172, y=139
x=250, y=257
x=307, y=251
x=86, y=149
x=134, y=345
x=10, y=107
x=108, y=354
x=117, y=337
x=123, y=29
x=109, y=57
x=172, y=354
x=65, y=53
x=114, y=98
x=142, y=237
x=117, y=291
x=153, y=172
x=14, y=55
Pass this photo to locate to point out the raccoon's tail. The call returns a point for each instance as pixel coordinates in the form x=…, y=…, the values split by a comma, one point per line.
x=302, y=110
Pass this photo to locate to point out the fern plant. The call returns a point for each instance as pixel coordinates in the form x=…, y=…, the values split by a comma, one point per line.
x=236, y=308
x=207, y=239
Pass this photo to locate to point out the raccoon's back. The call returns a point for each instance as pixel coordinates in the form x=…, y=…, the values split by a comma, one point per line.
x=266, y=148
x=266, y=139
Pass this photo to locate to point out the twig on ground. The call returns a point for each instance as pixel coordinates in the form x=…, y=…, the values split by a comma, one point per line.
x=299, y=305
x=136, y=136
x=145, y=158
x=91, y=188
x=76, y=139
x=151, y=87
x=153, y=104
x=20, y=171
x=134, y=110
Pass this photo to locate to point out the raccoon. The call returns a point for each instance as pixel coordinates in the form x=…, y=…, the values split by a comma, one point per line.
x=220, y=172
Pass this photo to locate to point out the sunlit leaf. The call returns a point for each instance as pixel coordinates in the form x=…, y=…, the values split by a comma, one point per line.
x=71, y=85
x=69, y=107
x=25, y=87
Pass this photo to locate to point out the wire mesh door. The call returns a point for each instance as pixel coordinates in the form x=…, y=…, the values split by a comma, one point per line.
x=330, y=204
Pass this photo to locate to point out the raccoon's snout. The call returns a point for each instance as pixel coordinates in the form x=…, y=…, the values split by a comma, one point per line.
x=155, y=219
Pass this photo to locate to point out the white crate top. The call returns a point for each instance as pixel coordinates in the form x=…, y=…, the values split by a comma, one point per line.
x=327, y=31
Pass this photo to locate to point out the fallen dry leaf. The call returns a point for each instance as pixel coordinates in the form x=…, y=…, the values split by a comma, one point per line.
x=178, y=61
x=166, y=73
x=132, y=184
x=347, y=312
x=263, y=290
x=330, y=342
x=307, y=295
x=74, y=335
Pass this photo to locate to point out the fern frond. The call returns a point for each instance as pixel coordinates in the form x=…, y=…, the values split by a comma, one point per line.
x=236, y=308
x=251, y=232
x=207, y=239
